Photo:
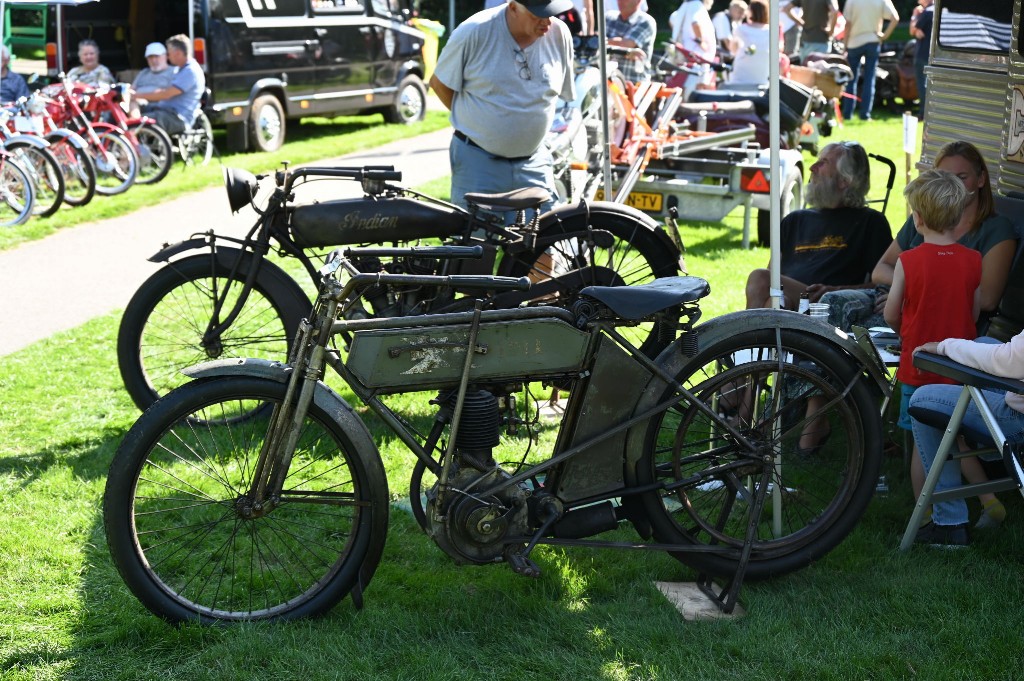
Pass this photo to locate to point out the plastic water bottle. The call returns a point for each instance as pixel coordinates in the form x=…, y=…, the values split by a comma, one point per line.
x=805, y=304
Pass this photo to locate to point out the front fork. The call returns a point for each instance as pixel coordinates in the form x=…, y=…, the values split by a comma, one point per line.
x=287, y=418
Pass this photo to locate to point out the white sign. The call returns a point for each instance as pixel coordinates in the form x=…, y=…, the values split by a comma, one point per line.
x=909, y=133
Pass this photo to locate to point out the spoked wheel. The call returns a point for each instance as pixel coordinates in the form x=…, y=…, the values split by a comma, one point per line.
x=44, y=171
x=78, y=170
x=186, y=537
x=196, y=145
x=163, y=327
x=17, y=197
x=117, y=164
x=771, y=385
x=156, y=153
x=633, y=255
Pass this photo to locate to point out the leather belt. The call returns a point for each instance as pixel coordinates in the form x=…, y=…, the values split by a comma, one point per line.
x=459, y=135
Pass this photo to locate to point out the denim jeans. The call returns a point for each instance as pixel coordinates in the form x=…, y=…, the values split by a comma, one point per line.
x=869, y=53
x=475, y=170
x=943, y=398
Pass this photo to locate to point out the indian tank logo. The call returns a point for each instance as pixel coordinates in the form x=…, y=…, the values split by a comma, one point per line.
x=376, y=221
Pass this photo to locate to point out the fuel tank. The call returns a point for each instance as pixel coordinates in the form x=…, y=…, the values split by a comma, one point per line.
x=373, y=221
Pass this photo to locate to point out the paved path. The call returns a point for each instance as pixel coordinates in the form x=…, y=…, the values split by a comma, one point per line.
x=92, y=269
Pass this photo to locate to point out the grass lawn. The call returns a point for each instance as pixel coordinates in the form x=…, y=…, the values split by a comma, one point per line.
x=865, y=611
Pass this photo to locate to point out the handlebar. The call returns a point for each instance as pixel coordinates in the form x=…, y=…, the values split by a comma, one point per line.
x=419, y=251
x=376, y=173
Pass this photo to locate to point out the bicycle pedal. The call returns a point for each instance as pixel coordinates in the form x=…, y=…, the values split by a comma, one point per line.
x=522, y=565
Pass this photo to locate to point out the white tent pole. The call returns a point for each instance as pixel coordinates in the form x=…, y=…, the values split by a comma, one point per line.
x=191, y=26
x=602, y=64
x=774, y=136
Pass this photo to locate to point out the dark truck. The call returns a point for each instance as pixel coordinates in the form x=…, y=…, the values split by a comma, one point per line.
x=265, y=60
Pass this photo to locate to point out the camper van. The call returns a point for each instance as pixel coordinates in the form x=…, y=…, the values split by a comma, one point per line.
x=265, y=61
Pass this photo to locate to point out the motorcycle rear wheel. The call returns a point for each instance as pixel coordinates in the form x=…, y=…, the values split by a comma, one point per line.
x=637, y=256
x=190, y=547
x=760, y=381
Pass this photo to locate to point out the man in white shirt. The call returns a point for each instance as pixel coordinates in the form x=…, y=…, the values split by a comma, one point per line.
x=864, y=38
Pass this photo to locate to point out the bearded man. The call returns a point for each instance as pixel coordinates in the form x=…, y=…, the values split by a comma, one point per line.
x=833, y=245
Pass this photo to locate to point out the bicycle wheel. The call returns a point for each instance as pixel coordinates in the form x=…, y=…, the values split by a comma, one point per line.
x=17, y=196
x=635, y=256
x=117, y=164
x=44, y=171
x=78, y=170
x=156, y=153
x=760, y=381
x=196, y=145
x=162, y=328
x=189, y=545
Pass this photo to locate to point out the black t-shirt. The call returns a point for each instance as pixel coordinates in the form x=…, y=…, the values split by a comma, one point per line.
x=833, y=246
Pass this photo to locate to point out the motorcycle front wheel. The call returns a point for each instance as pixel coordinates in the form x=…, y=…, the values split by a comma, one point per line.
x=77, y=167
x=17, y=195
x=772, y=385
x=47, y=179
x=163, y=327
x=634, y=256
x=156, y=153
x=190, y=545
x=117, y=164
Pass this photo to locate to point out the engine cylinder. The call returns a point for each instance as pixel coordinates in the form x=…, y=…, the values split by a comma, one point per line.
x=480, y=426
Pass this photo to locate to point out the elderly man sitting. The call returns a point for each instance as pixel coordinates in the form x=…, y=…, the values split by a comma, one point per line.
x=833, y=245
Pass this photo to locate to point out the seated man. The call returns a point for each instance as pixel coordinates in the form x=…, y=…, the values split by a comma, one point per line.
x=633, y=28
x=833, y=245
x=174, y=107
x=12, y=85
x=156, y=76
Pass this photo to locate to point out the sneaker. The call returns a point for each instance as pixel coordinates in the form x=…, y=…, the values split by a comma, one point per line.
x=943, y=536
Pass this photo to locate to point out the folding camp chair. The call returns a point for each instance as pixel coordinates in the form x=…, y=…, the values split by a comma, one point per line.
x=973, y=381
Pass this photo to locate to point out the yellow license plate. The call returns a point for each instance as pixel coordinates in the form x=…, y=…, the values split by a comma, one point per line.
x=640, y=200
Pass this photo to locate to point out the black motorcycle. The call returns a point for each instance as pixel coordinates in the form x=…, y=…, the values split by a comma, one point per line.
x=228, y=298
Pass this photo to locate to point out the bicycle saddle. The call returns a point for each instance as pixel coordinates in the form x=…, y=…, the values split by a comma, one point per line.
x=517, y=199
x=637, y=302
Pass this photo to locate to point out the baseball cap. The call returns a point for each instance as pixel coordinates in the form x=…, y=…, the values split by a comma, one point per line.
x=155, y=48
x=542, y=9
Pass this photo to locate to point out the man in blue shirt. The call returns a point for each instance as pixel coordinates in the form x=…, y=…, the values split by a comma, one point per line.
x=633, y=28
x=12, y=86
x=174, y=107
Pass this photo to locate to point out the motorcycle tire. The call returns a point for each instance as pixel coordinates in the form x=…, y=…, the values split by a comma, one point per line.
x=822, y=491
x=117, y=164
x=637, y=256
x=296, y=558
x=78, y=170
x=18, y=196
x=46, y=175
x=161, y=331
x=156, y=153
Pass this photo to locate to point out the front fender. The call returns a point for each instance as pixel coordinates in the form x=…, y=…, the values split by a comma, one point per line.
x=323, y=396
x=171, y=250
x=26, y=140
x=73, y=138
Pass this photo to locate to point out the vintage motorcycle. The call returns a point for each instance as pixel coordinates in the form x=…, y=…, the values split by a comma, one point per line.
x=224, y=298
x=257, y=492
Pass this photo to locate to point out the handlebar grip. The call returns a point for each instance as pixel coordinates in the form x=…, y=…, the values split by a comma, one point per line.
x=382, y=175
x=421, y=251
